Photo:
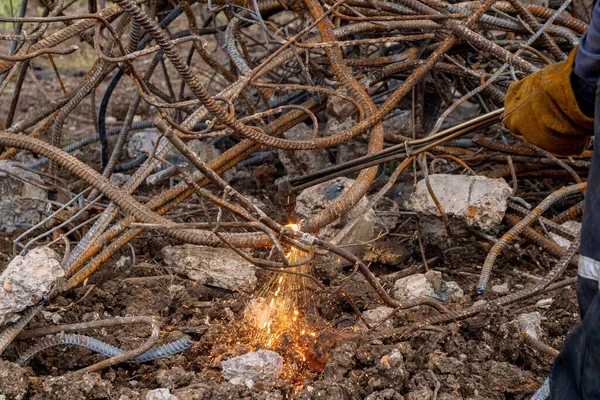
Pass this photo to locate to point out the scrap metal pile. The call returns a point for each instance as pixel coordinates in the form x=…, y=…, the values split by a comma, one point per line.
x=245, y=74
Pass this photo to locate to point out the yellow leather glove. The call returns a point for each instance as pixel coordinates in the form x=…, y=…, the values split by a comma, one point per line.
x=542, y=108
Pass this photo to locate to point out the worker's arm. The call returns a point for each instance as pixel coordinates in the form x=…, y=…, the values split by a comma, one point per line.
x=554, y=108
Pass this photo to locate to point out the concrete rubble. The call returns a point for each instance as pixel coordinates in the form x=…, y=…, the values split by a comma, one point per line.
x=317, y=198
x=142, y=142
x=205, y=151
x=531, y=324
x=300, y=162
x=467, y=200
x=221, y=268
x=250, y=368
x=502, y=288
x=430, y=284
x=160, y=394
x=572, y=226
x=27, y=280
x=340, y=108
x=22, y=203
x=376, y=315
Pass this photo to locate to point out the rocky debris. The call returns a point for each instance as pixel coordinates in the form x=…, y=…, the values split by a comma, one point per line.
x=441, y=363
x=504, y=377
x=205, y=151
x=14, y=382
x=317, y=198
x=401, y=123
x=119, y=178
x=174, y=378
x=250, y=368
x=21, y=203
x=430, y=284
x=339, y=108
x=334, y=126
x=221, y=268
x=74, y=386
x=386, y=394
x=474, y=200
x=27, y=280
x=300, y=162
x=500, y=289
x=53, y=317
x=531, y=324
x=160, y=394
x=544, y=304
x=376, y=315
x=386, y=252
x=142, y=142
x=572, y=226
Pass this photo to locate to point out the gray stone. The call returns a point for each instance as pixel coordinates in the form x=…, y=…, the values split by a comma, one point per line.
x=258, y=366
x=429, y=285
x=14, y=381
x=572, y=226
x=77, y=386
x=205, y=151
x=334, y=126
x=531, y=324
x=317, y=198
x=300, y=162
x=399, y=124
x=412, y=286
x=376, y=315
x=544, y=303
x=221, y=268
x=142, y=142
x=21, y=203
x=340, y=108
x=160, y=394
x=500, y=289
x=476, y=200
x=27, y=280
x=119, y=179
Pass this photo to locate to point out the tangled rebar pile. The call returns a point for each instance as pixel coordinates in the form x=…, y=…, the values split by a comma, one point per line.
x=248, y=72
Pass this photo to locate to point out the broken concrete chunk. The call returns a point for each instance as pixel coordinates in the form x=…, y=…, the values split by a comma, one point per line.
x=399, y=124
x=14, y=381
x=500, y=289
x=142, y=142
x=317, y=198
x=27, y=280
x=531, y=324
x=160, y=394
x=221, y=268
x=205, y=151
x=340, y=108
x=119, y=179
x=21, y=201
x=300, y=162
x=572, y=226
x=376, y=315
x=413, y=286
x=258, y=366
x=544, y=304
x=429, y=285
x=476, y=200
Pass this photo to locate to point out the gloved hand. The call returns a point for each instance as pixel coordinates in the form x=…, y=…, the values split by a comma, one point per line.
x=543, y=109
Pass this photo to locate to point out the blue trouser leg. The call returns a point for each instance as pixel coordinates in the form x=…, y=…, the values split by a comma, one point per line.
x=576, y=370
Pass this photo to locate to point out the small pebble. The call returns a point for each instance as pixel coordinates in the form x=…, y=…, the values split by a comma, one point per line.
x=545, y=303
x=500, y=289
